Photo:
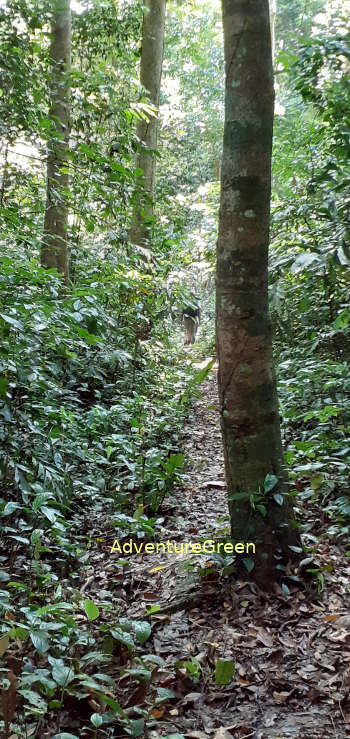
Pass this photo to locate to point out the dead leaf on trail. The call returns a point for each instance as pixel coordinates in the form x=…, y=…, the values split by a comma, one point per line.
x=137, y=696
x=343, y=622
x=270, y=720
x=281, y=697
x=147, y=595
x=265, y=637
x=341, y=636
x=191, y=698
x=214, y=484
x=4, y=642
x=297, y=647
x=222, y=734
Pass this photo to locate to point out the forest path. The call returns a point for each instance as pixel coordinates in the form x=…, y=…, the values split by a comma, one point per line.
x=200, y=513
x=291, y=655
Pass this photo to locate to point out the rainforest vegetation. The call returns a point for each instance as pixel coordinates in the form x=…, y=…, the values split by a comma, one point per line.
x=111, y=174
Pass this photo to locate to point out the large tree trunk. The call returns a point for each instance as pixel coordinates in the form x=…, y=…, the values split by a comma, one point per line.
x=54, y=251
x=150, y=76
x=247, y=387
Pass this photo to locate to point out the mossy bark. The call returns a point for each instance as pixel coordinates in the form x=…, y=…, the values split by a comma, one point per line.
x=247, y=386
x=54, y=252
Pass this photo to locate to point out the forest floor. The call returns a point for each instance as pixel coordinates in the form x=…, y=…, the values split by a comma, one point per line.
x=291, y=654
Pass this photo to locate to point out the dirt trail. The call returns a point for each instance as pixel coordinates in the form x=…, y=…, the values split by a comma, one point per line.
x=292, y=655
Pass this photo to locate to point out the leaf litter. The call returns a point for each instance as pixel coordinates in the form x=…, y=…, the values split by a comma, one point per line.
x=291, y=655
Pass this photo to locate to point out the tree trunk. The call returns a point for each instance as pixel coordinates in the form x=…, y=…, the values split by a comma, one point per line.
x=247, y=386
x=4, y=175
x=150, y=76
x=54, y=251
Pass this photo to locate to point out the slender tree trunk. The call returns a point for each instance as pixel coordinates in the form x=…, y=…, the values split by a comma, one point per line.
x=150, y=75
x=247, y=387
x=4, y=174
x=54, y=251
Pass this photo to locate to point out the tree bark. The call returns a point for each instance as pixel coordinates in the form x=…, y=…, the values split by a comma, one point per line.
x=54, y=251
x=247, y=387
x=150, y=76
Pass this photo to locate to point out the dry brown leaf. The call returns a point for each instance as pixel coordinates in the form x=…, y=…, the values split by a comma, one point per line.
x=222, y=734
x=147, y=595
x=4, y=642
x=8, y=702
x=158, y=712
x=265, y=637
x=281, y=697
x=214, y=484
x=343, y=622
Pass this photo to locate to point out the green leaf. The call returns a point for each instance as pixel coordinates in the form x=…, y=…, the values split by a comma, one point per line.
x=261, y=508
x=54, y=608
x=278, y=498
x=3, y=386
x=6, y=413
x=142, y=630
x=40, y=640
x=61, y=673
x=112, y=704
x=152, y=609
x=164, y=694
x=270, y=482
x=104, y=678
x=91, y=610
x=248, y=563
x=123, y=637
x=341, y=321
x=11, y=321
x=224, y=671
x=50, y=513
x=203, y=374
x=137, y=727
x=174, y=461
x=316, y=481
x=96, y=719
x=10, y=508
x=34, y=699
x=90, y=339
x=239, y=496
